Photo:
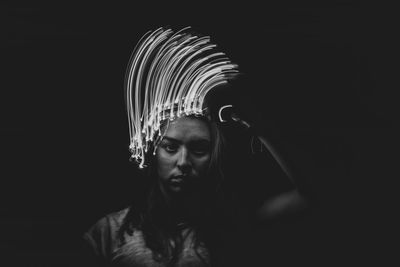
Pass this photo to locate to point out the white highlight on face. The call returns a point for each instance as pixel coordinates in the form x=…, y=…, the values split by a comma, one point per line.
x=168, y=76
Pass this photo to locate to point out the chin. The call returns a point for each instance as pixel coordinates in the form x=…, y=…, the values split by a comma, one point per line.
x=176, y=189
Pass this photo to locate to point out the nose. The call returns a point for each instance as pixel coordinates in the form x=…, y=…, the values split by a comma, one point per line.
x=184, y=164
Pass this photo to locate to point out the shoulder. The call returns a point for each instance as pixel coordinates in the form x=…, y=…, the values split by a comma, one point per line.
x=110, y=222
x=102, y=237
x=115, y=219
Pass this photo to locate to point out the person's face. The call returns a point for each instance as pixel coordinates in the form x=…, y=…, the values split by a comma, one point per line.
x=183, y=155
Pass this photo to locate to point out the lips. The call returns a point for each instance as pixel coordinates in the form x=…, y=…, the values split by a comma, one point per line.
x=178, y=179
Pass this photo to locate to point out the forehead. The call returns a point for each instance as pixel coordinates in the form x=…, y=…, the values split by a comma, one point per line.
x=187, y=128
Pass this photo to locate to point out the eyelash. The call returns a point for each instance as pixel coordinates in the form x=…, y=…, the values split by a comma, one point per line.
x=170, y=148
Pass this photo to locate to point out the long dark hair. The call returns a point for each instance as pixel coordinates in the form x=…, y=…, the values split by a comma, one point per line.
x=206, y=215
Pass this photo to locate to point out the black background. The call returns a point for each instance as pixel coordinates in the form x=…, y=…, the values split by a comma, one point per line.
x=323, y=74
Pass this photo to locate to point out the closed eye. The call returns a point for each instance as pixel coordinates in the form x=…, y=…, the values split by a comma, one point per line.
x=200, y=152
x=200, y=148
x=170, y=148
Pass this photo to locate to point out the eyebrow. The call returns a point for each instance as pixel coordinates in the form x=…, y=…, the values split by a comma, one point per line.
x=197, y=139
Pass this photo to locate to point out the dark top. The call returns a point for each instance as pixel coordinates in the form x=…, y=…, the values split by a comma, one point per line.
x=107, y=249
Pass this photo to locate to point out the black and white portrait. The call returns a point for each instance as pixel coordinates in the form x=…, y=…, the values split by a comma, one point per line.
x=199, y=134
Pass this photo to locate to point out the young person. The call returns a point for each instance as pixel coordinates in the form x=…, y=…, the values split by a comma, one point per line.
x=186, y=213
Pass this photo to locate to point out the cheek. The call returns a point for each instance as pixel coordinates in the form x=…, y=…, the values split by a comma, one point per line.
x=164, y=164
x=202, y=164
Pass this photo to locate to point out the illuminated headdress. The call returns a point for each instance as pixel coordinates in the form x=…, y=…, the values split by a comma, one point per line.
x=168, y=76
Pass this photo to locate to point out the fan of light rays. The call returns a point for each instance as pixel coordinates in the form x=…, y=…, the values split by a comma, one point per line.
x=168, y=76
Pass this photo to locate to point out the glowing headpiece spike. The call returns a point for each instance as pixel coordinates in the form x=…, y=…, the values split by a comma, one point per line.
x=168, y=76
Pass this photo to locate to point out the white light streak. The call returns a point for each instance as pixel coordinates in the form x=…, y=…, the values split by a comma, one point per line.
x=168, y=76
x=220, y=111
